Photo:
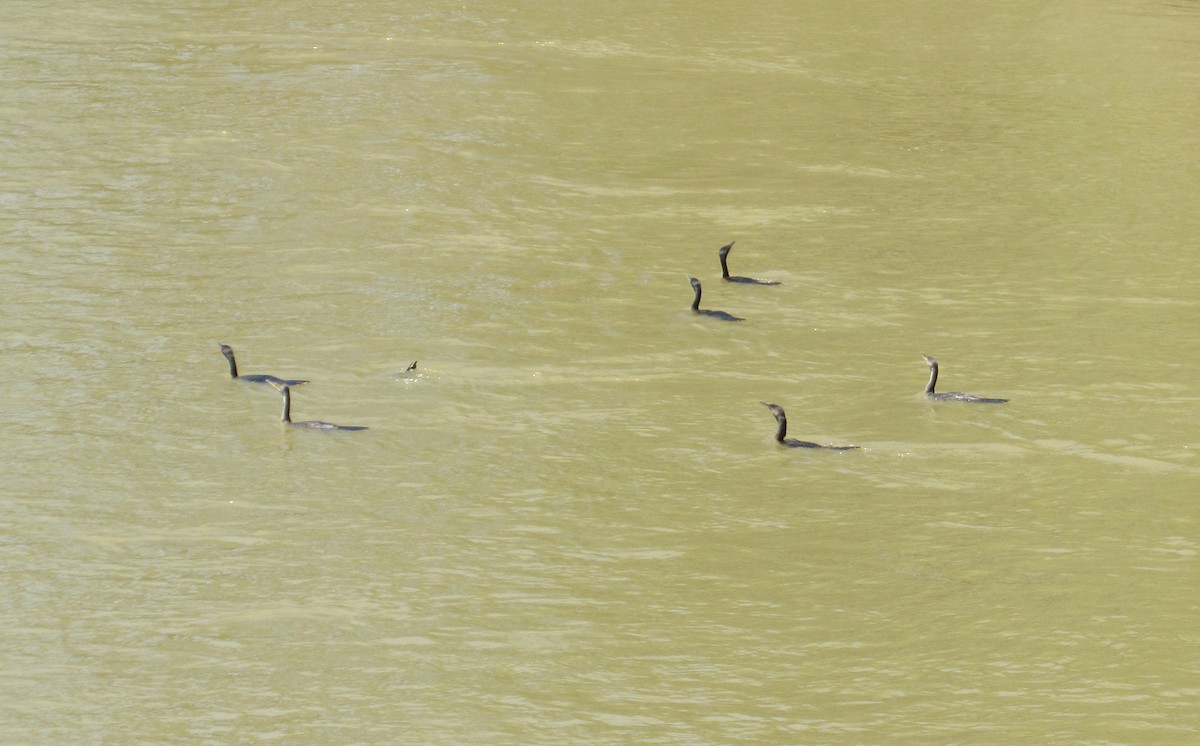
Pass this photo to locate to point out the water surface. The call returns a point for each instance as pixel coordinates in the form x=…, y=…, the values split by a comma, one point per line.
x=571, y=524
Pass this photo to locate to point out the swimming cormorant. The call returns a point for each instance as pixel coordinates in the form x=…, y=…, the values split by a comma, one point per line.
x=723, y=252
x=781, y=433
x=704, y=312
x=227, y=351
x=307, y=424
x=408, y=374
x=951, y=395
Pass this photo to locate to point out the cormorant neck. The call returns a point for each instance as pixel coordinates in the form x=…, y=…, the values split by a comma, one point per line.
x=287, y=406
x=696, y=301
x=782, y=432
x=933, y=370
x=724, y=266
x=232, y=366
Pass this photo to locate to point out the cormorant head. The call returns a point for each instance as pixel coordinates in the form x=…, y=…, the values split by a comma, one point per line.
x=775, y=409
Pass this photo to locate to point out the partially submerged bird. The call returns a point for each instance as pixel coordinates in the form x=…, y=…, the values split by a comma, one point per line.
x=781, y=433
x=951, y=395
x=723, y=252
x=721, y=315
x=286, y=418
x=227, y=351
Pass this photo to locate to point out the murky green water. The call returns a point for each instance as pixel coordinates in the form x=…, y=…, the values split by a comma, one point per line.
x=572, y=525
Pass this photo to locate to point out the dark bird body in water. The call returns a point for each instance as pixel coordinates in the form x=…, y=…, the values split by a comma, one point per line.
x=951, y=395
x=306, y=424
x=704, y=312
x=723, y=252
x=781, y=433
x=227, y=351
x=409, y=373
